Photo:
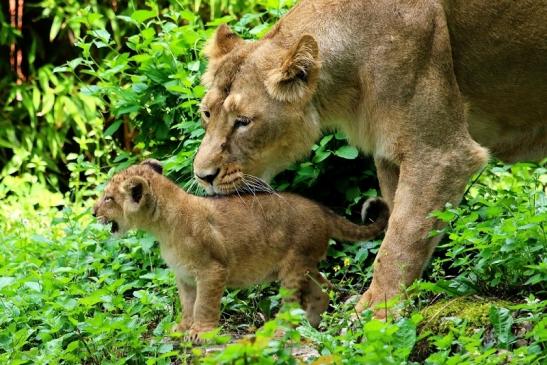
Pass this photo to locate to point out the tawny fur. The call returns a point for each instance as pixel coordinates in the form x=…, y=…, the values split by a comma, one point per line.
x=213, y=243
x=425, y=86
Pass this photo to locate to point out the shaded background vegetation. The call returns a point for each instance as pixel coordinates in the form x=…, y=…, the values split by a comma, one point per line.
x=102, y=84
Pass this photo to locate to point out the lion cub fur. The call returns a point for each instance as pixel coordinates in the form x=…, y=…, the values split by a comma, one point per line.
x=234, y=241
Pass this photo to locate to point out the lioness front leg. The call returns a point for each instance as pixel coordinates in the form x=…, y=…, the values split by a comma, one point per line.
x=211, y=282
x=187, y=295
x=425, y=184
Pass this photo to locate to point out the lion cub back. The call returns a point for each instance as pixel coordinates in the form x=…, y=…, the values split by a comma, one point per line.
x=260, y=233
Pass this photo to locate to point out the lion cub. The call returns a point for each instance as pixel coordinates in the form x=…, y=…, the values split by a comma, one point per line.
x=235, y=241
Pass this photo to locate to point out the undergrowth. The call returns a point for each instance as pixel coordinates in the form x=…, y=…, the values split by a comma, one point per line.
x=69, y=293
x=123, y=85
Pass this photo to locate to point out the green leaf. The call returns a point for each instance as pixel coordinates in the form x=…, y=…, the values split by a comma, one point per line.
x=219, y=21
x=326, y=139
x=347, y=152
x=193, y=66
x=113, y=128
x=260, y=29
x=321, y=156
x=72, y=346
x=102, y=34
x=55, y=27
x=142, y=15
x=60, y=69
x=6, y=281
x=502, y=321
x=34, y=286
x=75, y=63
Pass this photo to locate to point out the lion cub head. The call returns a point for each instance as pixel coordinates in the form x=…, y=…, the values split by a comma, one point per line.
x=127, y=200
x=257, y=112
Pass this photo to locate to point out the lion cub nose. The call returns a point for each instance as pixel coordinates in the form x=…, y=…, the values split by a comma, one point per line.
x=208, y=176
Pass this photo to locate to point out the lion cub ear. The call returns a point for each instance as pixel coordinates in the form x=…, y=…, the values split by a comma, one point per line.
x=296, y=78
x=223, y=42
x=134, y=188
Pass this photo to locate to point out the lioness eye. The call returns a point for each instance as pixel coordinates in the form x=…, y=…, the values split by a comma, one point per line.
x=108, y=199
x=206, y=114
x=241, y=122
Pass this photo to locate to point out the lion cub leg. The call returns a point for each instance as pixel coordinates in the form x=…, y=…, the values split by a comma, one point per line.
x=293, y=277
x=315, y=300
x=304, y=281
x=187, y=295
x=211, y=282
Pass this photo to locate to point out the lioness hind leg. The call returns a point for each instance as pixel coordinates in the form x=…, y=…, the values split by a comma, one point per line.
x=315, y=300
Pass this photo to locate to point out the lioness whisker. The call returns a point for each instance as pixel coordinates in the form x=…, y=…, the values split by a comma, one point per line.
x=189, y=186
x=263, y=184
x=258, y=183
x=254, y=195
x=237, y=192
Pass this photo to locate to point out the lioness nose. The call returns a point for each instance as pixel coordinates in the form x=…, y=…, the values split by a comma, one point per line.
x=208, y=176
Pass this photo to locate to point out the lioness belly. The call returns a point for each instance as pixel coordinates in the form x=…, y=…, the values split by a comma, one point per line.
x=500, y=60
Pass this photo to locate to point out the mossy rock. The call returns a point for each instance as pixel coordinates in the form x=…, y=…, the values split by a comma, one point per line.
x=438, y=318
x=441, y=316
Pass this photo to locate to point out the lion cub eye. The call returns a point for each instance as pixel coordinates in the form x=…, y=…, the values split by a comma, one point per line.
x=241, y=122
x=108, y=199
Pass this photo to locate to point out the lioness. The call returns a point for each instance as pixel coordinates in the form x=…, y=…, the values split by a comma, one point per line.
x=211, y=243
x=414, y=83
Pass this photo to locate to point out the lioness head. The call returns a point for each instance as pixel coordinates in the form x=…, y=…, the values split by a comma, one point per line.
x=257, y=112
x=127, y=200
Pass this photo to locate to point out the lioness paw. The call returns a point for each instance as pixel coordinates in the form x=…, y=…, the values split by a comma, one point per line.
x=183, y=326
x=194, y=334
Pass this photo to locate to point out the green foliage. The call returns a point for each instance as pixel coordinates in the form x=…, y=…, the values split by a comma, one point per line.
x=152, y=82
x=54, y=114
x=69, y=291
x=133, y=82
x=131, y=68
x=122, y=85
x=497, y=240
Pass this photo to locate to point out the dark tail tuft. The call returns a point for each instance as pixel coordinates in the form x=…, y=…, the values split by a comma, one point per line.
x=343, y=229
x=374, y=210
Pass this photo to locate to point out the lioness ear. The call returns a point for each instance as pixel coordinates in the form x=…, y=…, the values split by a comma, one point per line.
x=296, y=78
x=222, y=43
x=154, y=164
x=134, y=188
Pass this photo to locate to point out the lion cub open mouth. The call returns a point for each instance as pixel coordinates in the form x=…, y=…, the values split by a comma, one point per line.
x=114, y=228
x=233, y=241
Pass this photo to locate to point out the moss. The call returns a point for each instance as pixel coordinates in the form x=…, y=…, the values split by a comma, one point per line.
x=439, y=317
